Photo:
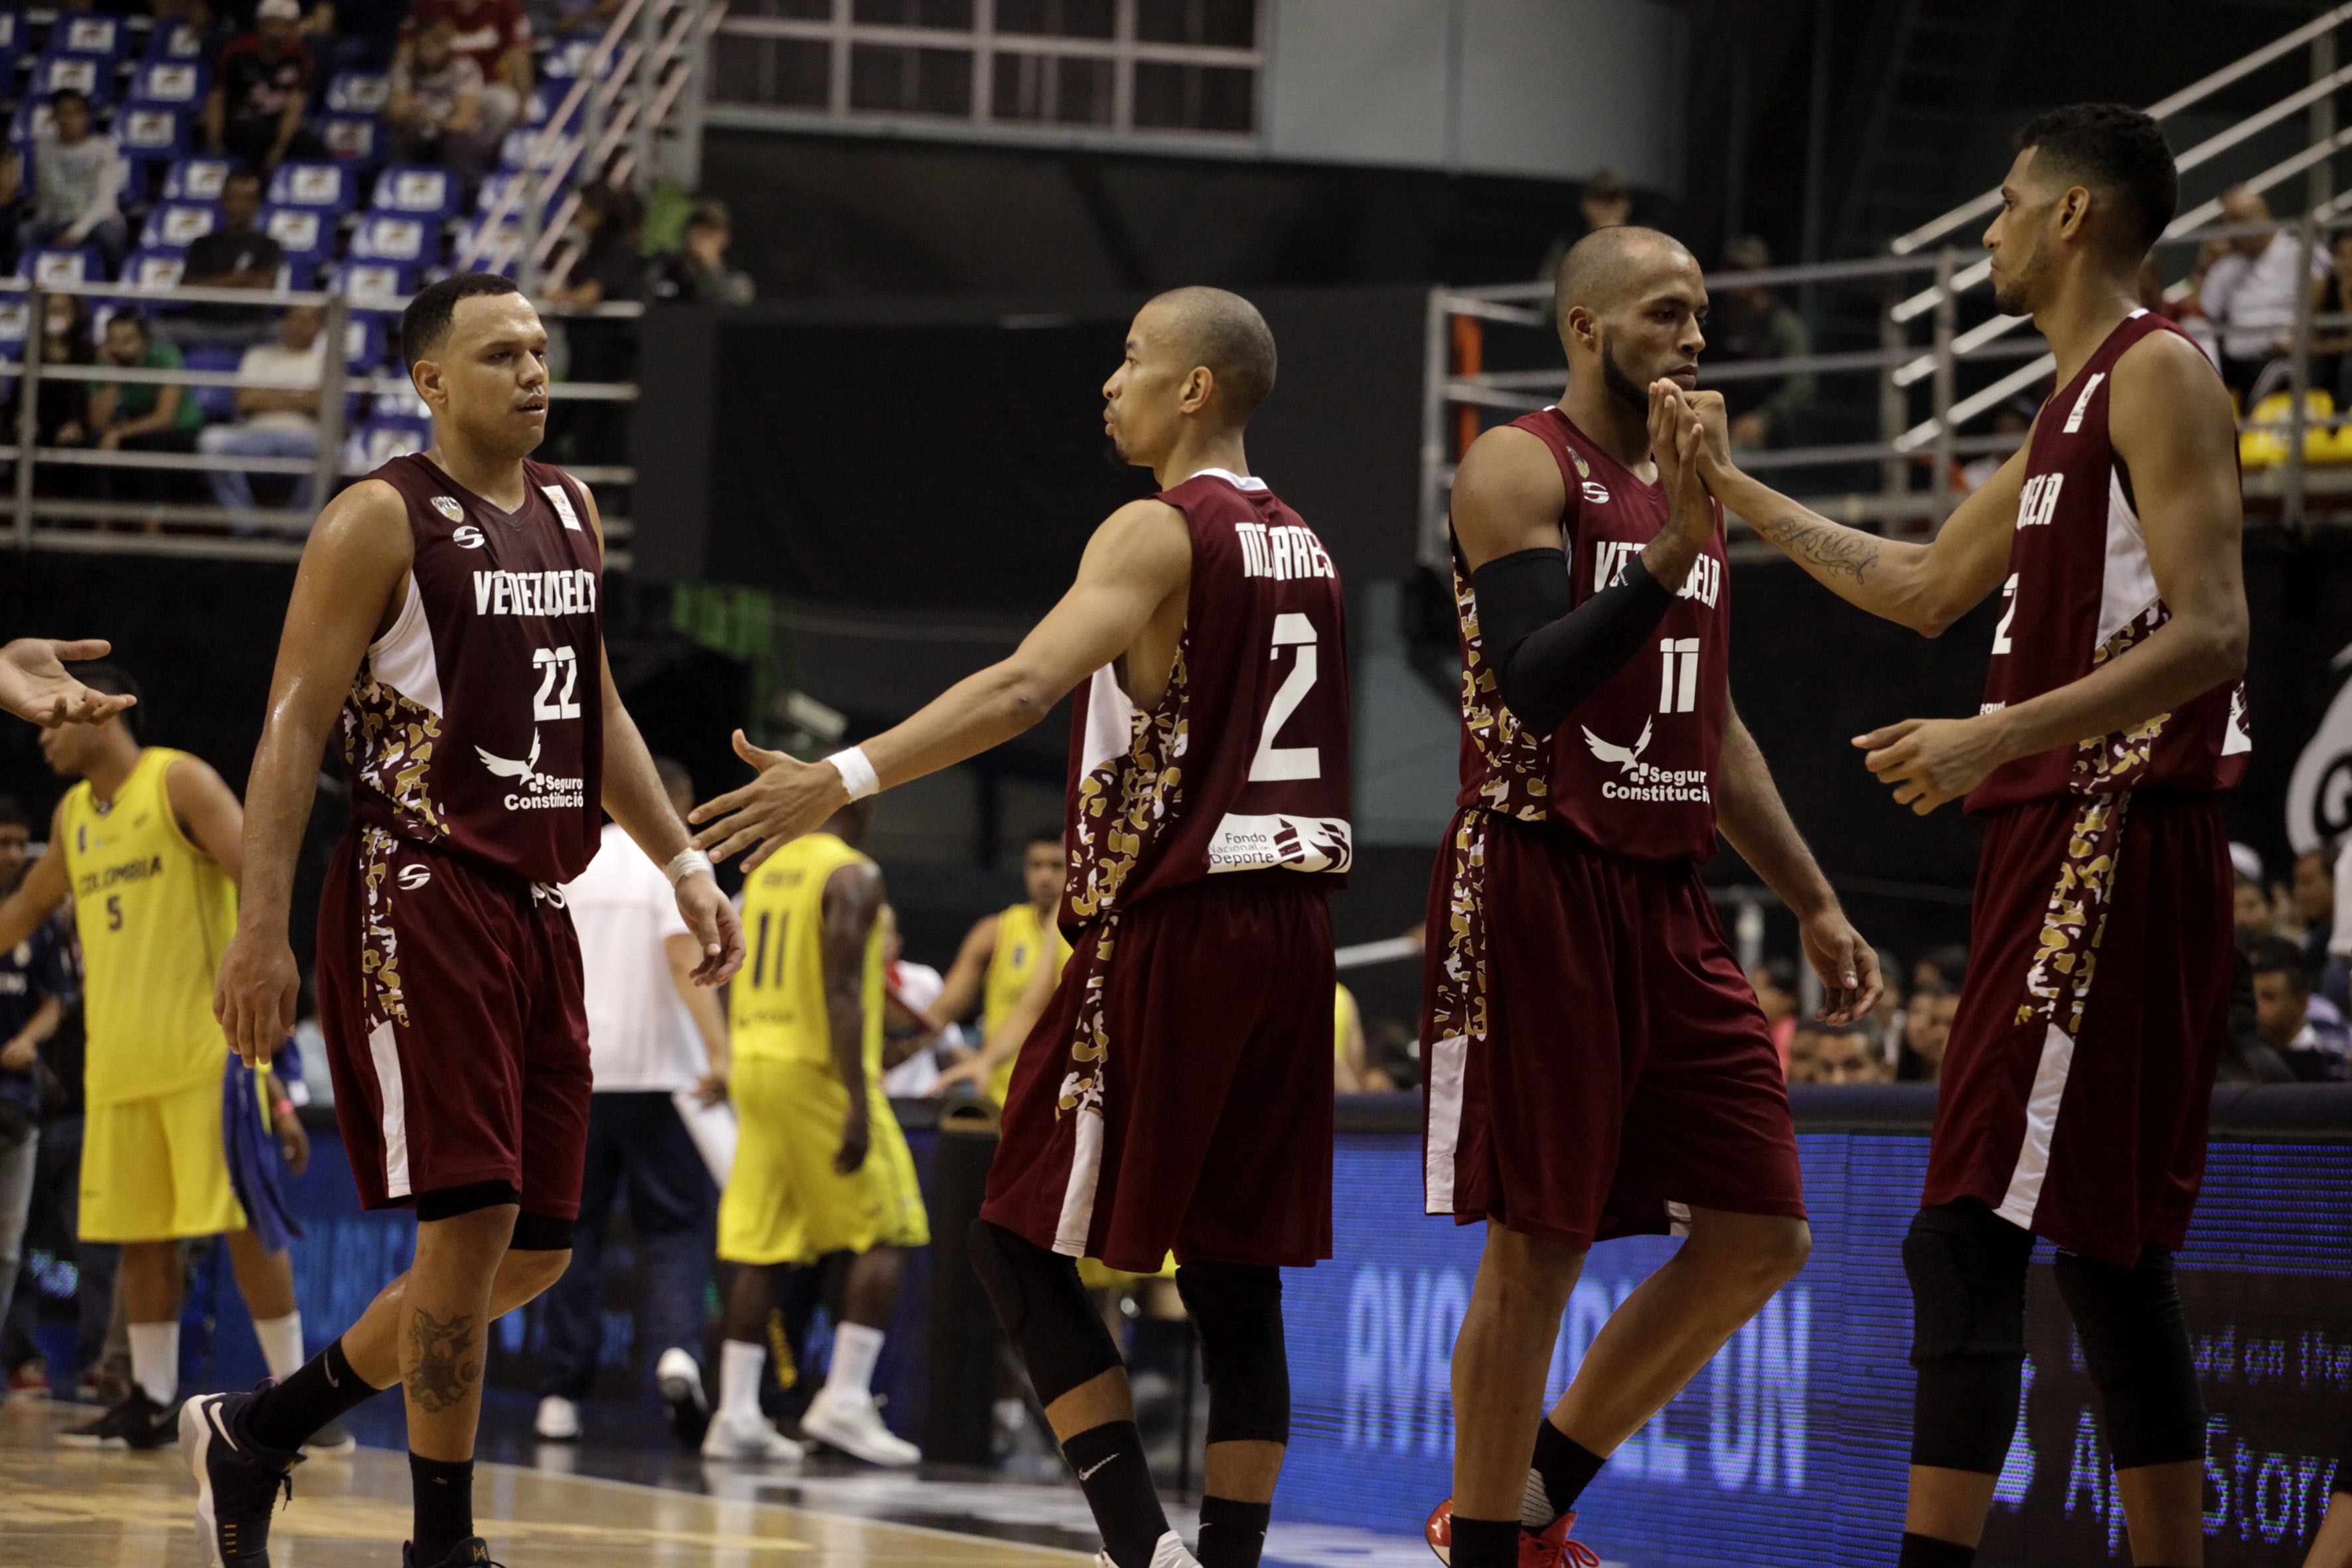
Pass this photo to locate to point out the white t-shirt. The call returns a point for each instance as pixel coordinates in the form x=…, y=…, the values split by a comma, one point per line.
x=2254, y=299
x=640, y=1036
x=275, y=364
x=917, y=985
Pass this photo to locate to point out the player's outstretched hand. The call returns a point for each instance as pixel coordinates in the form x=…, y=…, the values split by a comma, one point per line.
x=1931, y=761
x=715, y=927
x=35, y=686
x=255, y=994
x=789, y=798
x=1847, y=965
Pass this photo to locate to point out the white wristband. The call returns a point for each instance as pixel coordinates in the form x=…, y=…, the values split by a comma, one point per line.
x=685, y=864
x=855, y=773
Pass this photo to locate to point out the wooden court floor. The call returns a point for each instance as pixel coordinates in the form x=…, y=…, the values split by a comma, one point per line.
x=67, y=1508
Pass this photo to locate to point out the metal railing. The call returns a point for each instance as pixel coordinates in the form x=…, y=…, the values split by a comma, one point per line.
x=46, y=521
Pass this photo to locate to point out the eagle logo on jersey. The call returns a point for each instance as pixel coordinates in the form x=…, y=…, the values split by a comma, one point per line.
x=1626, y=759
x=447, y=507
x=522, y=772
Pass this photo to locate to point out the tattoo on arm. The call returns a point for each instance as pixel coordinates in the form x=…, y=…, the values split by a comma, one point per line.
x=1836, y=551
x=445, y=1368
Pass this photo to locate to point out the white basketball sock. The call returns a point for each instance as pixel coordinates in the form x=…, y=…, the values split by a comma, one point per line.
x=740, y=1366
x=156, y=1358
x=281, y=1343
x=856, y=1348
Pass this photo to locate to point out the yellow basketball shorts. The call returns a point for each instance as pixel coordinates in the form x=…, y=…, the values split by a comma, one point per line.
x=784, y=1203
x=156, y=1169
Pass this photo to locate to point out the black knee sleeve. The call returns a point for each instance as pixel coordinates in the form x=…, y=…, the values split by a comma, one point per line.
x=1237, y=1307
x=1967, y=1267
x=1043, y=1309
x=2136, y=1344
x=541, y=1233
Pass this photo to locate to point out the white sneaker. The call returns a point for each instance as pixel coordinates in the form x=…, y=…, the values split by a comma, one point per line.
x=1168, y=1554
x=754, y=1441
x=853, y=1424
x=679, y=1377
x=558, y=1419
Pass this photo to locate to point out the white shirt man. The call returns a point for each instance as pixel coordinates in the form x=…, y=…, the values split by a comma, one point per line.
x=2253, y=298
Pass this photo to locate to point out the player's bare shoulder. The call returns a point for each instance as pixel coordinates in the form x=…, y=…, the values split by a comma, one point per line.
x=1508, y=495
x=2166, y=392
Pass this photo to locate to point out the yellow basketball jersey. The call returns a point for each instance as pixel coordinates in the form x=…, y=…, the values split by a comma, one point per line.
x=776, y=1004
x=155, y=914
x=1022, y=937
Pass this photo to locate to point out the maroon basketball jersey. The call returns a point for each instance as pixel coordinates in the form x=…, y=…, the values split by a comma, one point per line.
x=1632, y=768
x=476, y=721
x=2080, y=592
x=1243, y=764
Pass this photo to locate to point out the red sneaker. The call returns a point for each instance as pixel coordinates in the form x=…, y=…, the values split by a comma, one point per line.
x=1551, y=1548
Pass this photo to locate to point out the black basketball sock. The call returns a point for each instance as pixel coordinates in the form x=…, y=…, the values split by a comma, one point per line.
x=445, y=1505
x=1486, y=1542
x=1232, y=1534
x=1564, y=1467
x=321, y=1388
x=1928, y=1551
x=1109, y=1460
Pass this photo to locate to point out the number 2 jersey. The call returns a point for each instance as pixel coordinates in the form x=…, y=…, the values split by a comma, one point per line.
x=477, y=723
x=2081, y=591
x=1242, y=766
x=1631, y=769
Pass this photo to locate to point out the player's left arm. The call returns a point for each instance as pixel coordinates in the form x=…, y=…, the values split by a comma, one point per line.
x=853, y=902
x=1751, y=816
x=635, y=796
x=2173, y=428
x=208, y=812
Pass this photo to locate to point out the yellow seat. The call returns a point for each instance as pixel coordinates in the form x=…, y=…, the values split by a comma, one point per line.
x=2262, y=443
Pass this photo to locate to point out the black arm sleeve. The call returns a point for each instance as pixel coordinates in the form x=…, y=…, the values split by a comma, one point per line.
x=1549, y=654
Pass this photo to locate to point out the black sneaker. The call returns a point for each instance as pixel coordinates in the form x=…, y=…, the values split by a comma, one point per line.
x=136, y=1422
x=471, y=1552
x=238, y=1481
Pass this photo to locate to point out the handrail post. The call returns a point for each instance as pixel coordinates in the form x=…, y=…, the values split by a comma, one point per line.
x=2322, y=178
x=1947, y=318
x=2307, y=242
x=28, y=406
x=648, y=84
x=1436, y=367
x=1891, y=410
x=334, y=376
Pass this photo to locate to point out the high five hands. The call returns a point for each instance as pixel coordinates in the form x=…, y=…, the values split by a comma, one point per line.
x=35, y=687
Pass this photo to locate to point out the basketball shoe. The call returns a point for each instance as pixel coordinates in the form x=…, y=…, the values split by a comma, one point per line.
x=237, y=1480
x=134, y=1422
x=1168, y=1554
x=1550, y=1549
x=471, y=1552
x=853, y=1424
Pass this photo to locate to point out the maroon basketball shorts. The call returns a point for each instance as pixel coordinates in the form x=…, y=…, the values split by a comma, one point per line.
x=1596, y=1063
x=449, y=995
x=1176, y=1096
x=2080, y=1071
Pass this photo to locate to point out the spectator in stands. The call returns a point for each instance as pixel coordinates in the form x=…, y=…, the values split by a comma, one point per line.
x=436, y=113
x=2331, y=347
x=607, y=268
x=697, y=273
x=1926, y=1031
x=493, y=34
x=1753, y=323
x=34, y=980
x=1946, y=966
x=2250, y=286
x=12, y=206
x=2304, y=1030
x=61, y=411
x=280, y=416
x=139, y=416
x=361, y=36
x=1775, y=980
x=237, y=254
x=2314, y=903
x=261, y=85
x=1605, y=201
x=77, y=178
x=2256, y=915
x=1846, y=1053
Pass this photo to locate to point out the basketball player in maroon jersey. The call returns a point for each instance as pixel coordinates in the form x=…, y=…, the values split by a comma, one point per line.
x=1596, y=1060
x=446, y=622
x=1176, y=1093
x=2081, y=1065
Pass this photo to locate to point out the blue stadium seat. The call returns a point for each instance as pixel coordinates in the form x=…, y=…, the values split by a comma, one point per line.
x=13, y=38
x=501, y=250
x=567, y=59
x=149, y=134
x=15, y=318
x=195, y=180
x=304, y=234
x=494, y=188
x=155, y=267
x=384, y=437
x=363, y=342
x=52, y=265
x=219, y=402
x=173, y=41
x=323, y=187
x=375, y=280
x=395, y=238
x=175, y=226
x=359, y=92
x=92, y=34
x=356, y=139
x=86, y=74
x=171, y=84
x=417, y=190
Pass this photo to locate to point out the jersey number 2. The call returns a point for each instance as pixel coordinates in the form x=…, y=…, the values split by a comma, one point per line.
x=552, y=663
x=1273, y=761
x=2000, y=632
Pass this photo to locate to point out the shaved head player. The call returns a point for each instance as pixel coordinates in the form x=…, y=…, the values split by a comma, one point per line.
x=444, y=624
x=2079, y=1070
x=1597, y=1062
x=1177, y=1092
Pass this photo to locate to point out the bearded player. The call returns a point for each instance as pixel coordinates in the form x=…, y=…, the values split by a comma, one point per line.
x=1177, y=1092
x=446, y=624
x=1598, y=1065
x=2079, y=1070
